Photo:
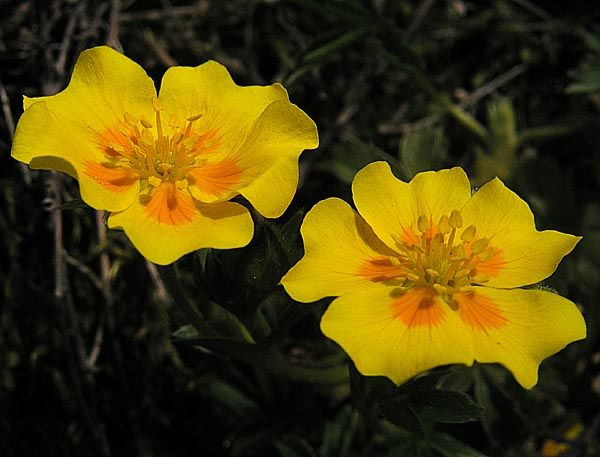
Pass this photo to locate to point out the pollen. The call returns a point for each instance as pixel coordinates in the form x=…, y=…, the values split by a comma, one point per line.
x=442, y=256
x=166, y=149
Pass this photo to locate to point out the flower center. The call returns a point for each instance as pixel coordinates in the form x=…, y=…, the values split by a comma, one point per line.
x=436, y=256
x=157, y=153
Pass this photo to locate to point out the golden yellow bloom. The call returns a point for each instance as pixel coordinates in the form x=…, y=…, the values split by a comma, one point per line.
x=428, y=275
x=165, y=166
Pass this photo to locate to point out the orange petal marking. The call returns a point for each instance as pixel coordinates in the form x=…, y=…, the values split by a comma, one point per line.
x=115, y=179
x=418, y=307
x=380, y=270
x=479, y=311
x=216, y=178
x=169, y=205
x=492, y=266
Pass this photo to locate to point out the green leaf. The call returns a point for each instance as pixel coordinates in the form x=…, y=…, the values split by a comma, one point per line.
x=402, y=415
x=345, y=159
x=588, y=78
x=446, y=406
x=74, y=204
x=366, y=390
x=293, y=446
x=422, y=149
x=448, y=446
x=331, y=47
x=232, y=397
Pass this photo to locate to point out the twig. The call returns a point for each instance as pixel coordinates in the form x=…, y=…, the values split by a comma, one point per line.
x=198, y=9
x=417, y=20
x=160, y=52
x=8, y=117
x=494, y=84
x=159, y=285
x=10, y=126
x=534, y=9
x=113, y=24
x=87, y=271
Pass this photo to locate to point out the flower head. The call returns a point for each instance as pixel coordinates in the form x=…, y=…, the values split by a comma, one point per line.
x=428, y=274
x=166, y=165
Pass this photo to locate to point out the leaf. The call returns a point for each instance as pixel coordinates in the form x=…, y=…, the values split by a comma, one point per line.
x=402, y=415
x=446, y=406
x=588, y=78
x=422, y=149
x=293, y=446
x=341, y=41
x=448, y=446
x=366, y=390
x=233, y=398
x=345, y=159
x=74, y=204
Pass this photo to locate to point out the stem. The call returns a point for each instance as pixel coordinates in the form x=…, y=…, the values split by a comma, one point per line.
x=546, y=131
x=270, y=360
x=452, y=109
x=169, y=276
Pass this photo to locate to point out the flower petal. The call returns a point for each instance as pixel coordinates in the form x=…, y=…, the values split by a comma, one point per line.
x=392, y=207
x=259, y=131
x=105, y=84
x=519, y=328
x=337, y=244
x=169, y=223
x=208, y=90
x=46, y=141
x=279, y=135
x=523, y=254
x=397, y=336
x=63, y=131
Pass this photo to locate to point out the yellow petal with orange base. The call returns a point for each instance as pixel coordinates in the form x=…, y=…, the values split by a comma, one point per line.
x=396, y=335
x=169, y=223
x=519, y=328
x=278, y=136
x=104, y=85
x=47, y=141
x=338, y=245
x=258, y=130
x=392, y=207
x=208, y=90
x=525, y=255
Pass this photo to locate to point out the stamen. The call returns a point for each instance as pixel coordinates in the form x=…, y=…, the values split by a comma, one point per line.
x=455, y=219
x=422, y=224
x=468, y=234
x=444, y=225
x=480, y=245
x=145, y=122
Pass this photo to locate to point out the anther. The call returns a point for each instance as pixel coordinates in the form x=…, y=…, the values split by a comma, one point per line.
x=480, y=245
x=422, y=224
x=486, y=255
x=131, y=120
x=154, y=181
x=145, y=122
x=193, y=118
x=444, y=225
x=455, y=219
x=440, y=289
x=412, y=277
x=480, y=279
x=432, y=273
x=181, y=184
x=468, y=234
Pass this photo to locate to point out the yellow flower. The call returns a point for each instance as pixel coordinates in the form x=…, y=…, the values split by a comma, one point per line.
x=166, y=166
x=428, y=275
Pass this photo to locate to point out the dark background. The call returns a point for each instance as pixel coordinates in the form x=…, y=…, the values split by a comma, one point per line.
x=87, y=362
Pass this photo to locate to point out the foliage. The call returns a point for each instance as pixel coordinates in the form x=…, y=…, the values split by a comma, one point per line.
x=104, y=354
